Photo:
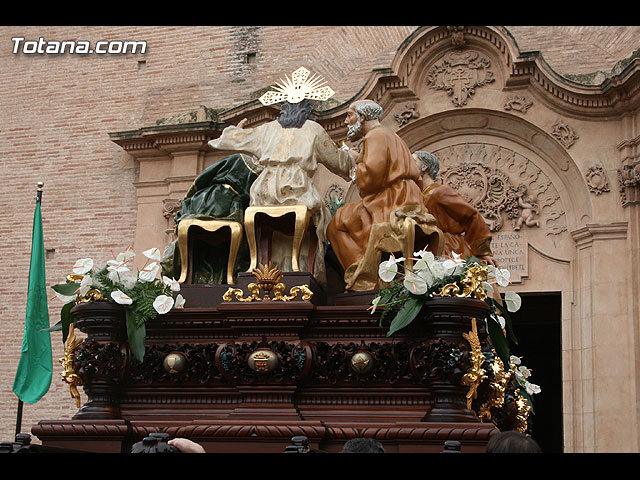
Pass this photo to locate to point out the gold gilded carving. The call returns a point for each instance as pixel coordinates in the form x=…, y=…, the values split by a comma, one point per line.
x=267, y=280
x=497, y=390
x=471, y=285
x=459, y=73
x=68, y=373
x=476, y=374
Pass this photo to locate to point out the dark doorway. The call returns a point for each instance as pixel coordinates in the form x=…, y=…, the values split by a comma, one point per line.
x=537, y=326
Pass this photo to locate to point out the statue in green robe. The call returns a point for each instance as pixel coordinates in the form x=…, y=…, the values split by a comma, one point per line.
x=220, y=192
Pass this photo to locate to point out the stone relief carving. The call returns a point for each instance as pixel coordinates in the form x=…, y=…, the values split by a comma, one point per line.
x=504, y=186
x=629, y=183
x=457, y=36
x=564, y=133
x=459, y=73
x=518, y=103
x=406, y=115
x=169, y=209
x=597, y=180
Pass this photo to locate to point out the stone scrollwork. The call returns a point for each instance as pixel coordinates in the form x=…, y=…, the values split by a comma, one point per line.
x=503, y=185
x=565, y=134
x=459, y=73
x=597, y=180
x=518, y=103
x=406, y=115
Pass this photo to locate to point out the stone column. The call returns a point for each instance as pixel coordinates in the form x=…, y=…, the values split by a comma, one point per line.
x=602, y=358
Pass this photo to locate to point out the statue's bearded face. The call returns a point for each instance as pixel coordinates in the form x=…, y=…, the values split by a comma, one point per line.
x=354, y=131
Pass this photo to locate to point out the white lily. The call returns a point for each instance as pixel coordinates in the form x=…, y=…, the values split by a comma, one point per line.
x=86, y=284
x=150, y=272
x=453, y=265
x=153, y=254
x=374, y=304
x=487, y=288
x=389, y=268
x=180, y=301
x=513, y=301
x=503, y=277
x=415, y=284
x=524, y=371
x=115, y=269
x=515, y=360
x=65, y=298
x=163, y=304
x=532, y=388
x=128, y=279
x=121, y=298
x=171, y=283
x=82, y=266
x=429, y=269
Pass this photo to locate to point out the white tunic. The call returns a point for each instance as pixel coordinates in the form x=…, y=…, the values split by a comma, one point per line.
x=290, y=157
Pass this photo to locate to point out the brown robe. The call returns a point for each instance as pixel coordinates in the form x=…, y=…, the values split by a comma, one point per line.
x=465, y=231
x=386, y=176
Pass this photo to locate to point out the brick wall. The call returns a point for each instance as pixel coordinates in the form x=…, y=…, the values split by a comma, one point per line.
x=57, y=111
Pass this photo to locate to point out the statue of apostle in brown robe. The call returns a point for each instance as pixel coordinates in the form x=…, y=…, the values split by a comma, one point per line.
x=465, y=231
x=386, y=175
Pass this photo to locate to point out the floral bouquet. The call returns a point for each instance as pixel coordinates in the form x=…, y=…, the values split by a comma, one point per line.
x=447, y=276
x=143, y=294
x=453, y=276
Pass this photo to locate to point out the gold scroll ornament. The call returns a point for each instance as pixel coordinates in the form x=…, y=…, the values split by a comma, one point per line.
x=268, y=279
x=68, y=374
x=476, y=374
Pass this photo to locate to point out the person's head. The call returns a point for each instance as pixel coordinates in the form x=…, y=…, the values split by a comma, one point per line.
x=512, y=442
x=362, y=445
x=293, y=115
x=360, y=114
x=428, y=163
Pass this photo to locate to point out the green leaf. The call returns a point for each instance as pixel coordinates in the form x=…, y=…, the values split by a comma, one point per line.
x=406, y=314
x=66, y=319
x=499, y=341
x=136, y=334
x=66, y=289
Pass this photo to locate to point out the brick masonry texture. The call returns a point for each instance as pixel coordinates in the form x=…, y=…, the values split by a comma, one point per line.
x=57, y=112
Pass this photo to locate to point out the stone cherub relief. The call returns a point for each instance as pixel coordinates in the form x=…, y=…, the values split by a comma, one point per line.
x=504, y=186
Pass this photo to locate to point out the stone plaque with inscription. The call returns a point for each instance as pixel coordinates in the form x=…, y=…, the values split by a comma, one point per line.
x=510, y=249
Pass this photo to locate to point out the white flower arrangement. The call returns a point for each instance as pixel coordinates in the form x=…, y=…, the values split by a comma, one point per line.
x=430, y=276
x=143, y=294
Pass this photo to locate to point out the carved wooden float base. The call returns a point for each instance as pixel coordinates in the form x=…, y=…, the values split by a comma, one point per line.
x=260, y=436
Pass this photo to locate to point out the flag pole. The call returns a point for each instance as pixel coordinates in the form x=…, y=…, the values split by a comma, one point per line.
x=20, y=402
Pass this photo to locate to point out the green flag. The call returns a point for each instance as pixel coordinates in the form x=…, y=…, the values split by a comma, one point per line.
x=35, y=368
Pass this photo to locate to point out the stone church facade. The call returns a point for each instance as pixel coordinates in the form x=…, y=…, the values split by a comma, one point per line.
x=537, y=130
